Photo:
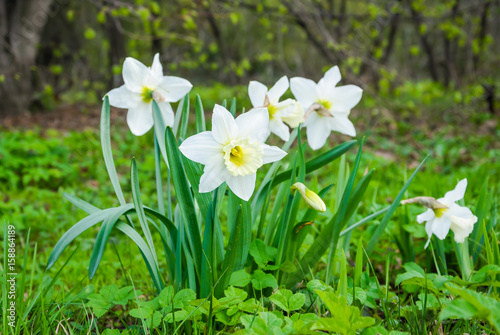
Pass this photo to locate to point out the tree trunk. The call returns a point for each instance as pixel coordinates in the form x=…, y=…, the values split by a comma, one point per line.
x=21, y=26
x=483, y=30
x=116, y=53
x=449, y=65
x=426, y=44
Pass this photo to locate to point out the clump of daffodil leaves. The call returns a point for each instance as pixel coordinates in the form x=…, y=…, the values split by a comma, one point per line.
x=224, y=162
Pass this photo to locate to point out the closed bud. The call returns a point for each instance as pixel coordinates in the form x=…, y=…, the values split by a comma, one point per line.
x=311, y=198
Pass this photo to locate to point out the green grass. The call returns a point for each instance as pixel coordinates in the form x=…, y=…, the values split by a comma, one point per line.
x=403, y=286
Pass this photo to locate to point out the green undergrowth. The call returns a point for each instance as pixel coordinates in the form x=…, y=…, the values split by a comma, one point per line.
x=398, y=287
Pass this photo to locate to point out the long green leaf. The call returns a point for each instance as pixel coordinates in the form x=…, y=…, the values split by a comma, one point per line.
x=340, y=216
x=166, y=223
x=194, y=173
x=78, y=229
x=232, y=110
x=82, y=204
x=159, y=128
x=146, y=252
x=103, y=236
x=296, y=200
x=392, y=209
x=233, y=253
x=136, y=195
x=364, y=220
x=159, y=181
x=178, y=116
x=209, y=265
x=107, y=152
x=184, y=197
x=185, y=117
x=90, y=209
x=243, y=213
x=179, y=250
x=282, y=232
x=200, y=115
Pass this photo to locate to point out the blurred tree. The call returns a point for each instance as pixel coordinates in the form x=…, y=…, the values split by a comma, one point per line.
x=380, y=44
x=21, y=25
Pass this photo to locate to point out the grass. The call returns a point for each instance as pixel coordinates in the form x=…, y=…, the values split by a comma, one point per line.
x=402, y=287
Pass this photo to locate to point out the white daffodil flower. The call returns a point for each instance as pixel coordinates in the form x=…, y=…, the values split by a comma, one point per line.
x=261, y=97
x=233, y=151
x=440, y=219
x=327, y=106
x=142, y=85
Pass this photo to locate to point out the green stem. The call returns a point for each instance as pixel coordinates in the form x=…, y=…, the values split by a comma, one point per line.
x=159, y=183
x=466, y=265
x=275, y=165
x=210, y=323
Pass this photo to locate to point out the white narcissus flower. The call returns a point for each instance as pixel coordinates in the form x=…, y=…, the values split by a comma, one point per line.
x=327, y=106
x=142, y=85
x=233, y=151
x=261, y=97
x=460, y=219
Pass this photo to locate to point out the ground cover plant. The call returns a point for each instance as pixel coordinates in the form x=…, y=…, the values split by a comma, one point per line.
x=205, y=239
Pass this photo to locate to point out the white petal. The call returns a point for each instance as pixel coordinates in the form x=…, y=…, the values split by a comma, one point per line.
x=122, y=97
x=278, y=89
x=328, y=82
x=304, y=91
x=214, y=174
x=339, y=122
x=135, y=74
x=202, y=148
x=272, y=154
x=257, y=93
x=173, y=88
x=254, y=123
x=441, y=226
x=140, y=118
x=428, y=215
x=167, y=113
x=462, y=227
x=285, y=107
x=157, y=68
x=458, y=192
x=428, y=229
x=344, y=98
x=224, y=127
x=317, y=131
x=460, y=211
x=332, y=76
x=242, y=186
x=279, y=128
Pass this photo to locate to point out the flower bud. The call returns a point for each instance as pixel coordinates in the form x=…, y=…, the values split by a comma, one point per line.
x=311, y=198
x=428, y=202
x=296, y=117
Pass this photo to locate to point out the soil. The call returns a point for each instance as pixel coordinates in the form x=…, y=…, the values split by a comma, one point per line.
x=69, y=117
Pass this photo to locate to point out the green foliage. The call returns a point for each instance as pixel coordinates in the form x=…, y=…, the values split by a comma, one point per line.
x=287, y=301
x=109, y=297
x=26, y=161
x=227, y=265
x=472, y=304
